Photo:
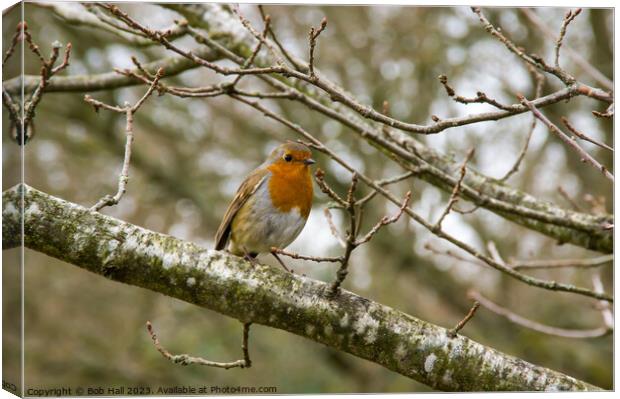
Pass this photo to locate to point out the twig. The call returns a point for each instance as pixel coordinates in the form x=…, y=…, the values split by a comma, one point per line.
x=597, y=204
x=147, y=78
x=568, y=18
x=609, y=112
x=575, y=56
x=129, y=112
x=280, y=261
x=385, y=221
x=320, y=180
x=453, y=332
x=32, y=45
x=466, y=211
x=332, y=227
x=582, y=136
x=492, y=248
x=351, y=235
x=383, y=183
x=530, y=59
x=584, y=156
x=312, y=36
x=305, y=257
x=259, y=44
x=186, y=360
x=532, y=325
x=260, y=37
x=161, y=38
x=450, y=254
x=454, y=196
x=19, y=32
x=561, y=263
x=481, y=97
x=568, y=199
x=540, y=81
x=297, y=65
x=11, y=106
x=608, y=317
x=23, y=120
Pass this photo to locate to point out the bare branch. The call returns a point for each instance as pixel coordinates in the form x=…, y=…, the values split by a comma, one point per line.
x=383, y=183
x=454, y=196
x=568, y=199
x=561, y=263
x=481, y=97
x=320, y=180
x=533, y=325
x=584, y=156
x=262, y=38
x=385, y=221
x=568, y=18
x=296, y=64
x=451, y=254
x=19, y=33
x=582, y=136
x=22, y=119
x=588, y=68
x=453, y=332
x=91, y=16
x=312, y=36
x=608, y=317
x=492, y=248
x=519, y=52
x=333, y=229
x=609, y=112
x=252, y=57
x=540, y=81
x=350, y=243
x=129, y=112
x=186, y=360
x=295, y=255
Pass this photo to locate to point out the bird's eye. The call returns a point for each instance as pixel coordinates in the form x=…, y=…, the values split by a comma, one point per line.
x=288, y=157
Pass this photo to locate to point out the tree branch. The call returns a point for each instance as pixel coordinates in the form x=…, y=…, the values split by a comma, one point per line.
x=110, y=80
x=547, y=218
x=583, y=155
x=533, y=325
x=266, y=295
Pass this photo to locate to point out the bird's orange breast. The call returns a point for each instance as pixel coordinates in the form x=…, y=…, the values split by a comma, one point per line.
x=290, y=186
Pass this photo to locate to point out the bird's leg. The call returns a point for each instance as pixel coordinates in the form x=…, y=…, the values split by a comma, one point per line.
x=250, y=257
x=275, y=255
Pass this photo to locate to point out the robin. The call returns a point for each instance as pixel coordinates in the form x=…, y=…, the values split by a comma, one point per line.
x=271, y=206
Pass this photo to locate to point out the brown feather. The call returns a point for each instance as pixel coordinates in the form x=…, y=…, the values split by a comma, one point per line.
x=246, y=189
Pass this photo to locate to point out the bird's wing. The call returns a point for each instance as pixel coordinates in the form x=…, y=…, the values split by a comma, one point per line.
x=246, y=189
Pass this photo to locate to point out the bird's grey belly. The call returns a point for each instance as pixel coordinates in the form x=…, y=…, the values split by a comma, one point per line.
x=270, y=228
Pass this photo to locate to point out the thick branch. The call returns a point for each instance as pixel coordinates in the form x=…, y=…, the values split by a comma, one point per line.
x=265, y=295
x=110, y=80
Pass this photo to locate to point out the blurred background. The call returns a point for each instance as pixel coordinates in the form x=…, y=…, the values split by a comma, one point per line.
x=190, y=155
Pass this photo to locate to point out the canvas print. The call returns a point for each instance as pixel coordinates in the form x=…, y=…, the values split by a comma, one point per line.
x=214, y=199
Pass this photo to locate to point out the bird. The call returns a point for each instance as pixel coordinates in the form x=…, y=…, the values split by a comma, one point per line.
x=271, y=206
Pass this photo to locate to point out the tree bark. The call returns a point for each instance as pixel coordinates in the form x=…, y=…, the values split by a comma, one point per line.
x=265, y=295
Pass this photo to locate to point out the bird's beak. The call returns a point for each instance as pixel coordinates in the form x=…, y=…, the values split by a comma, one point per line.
x=309, y=161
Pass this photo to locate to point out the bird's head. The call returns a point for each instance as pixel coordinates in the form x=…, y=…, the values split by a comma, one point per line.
x=291, y=155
